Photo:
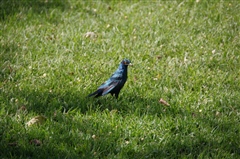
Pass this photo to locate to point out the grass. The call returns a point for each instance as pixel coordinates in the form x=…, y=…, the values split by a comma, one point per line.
x=185, y=52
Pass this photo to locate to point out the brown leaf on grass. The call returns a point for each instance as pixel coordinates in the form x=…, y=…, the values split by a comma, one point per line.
x=10, y=68
x=71, y=73
x=36, y=142
x=55, y=114
x=159, y=57
x=163, y=102
x=36, y=120
x=22, y=108
x=218, y=113
x=91, y=35
x=135, y=78
x=193, y=114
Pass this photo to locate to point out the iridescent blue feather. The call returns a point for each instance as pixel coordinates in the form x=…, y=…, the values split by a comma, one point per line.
x=115, y=83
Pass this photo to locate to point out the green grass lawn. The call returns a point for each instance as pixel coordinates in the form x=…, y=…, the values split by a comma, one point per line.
x=185, y=52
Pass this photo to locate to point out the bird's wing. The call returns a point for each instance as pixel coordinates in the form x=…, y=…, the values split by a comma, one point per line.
x=117, y=75
x=111, y=86
x=112, y=82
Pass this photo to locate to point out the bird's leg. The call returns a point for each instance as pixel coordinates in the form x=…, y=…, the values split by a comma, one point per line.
x=116, y=95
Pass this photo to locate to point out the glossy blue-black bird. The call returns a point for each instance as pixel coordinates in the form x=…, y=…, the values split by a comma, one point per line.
x=115, y=83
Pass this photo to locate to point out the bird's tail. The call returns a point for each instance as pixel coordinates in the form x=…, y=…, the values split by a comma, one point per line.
x=96, y=93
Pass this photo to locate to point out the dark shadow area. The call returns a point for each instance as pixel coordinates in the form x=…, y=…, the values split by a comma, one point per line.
x=11, y=7
x=46, y=103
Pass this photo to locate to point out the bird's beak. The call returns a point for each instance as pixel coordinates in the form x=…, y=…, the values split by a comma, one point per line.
x=130, y=64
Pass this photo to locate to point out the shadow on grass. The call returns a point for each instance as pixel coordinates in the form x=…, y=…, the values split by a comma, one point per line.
x=11, y=7
x=187, y=140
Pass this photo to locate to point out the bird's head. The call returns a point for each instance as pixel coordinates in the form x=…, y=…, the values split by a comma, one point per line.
x=126, y=62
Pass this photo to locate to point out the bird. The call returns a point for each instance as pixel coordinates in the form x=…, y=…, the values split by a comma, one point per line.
x=115, y=83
